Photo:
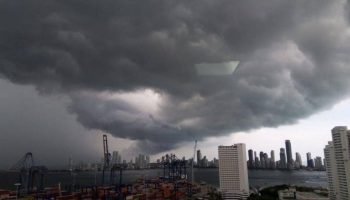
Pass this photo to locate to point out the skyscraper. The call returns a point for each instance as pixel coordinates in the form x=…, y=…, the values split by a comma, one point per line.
x=233, y=172
x=70, y=164
x=116, y=158
x=148, y=160
x=251, y=160
x=204, y=162
x=115, y=155
x=318, y=163
x=308, y=156
x=266, y=160
x=262, y=160
x=289, y=154
x=310, y=161
x=331, y=169
x=273, y=162
x=298, y=162
x=257, y=162
x=199, y=158
x=283, y=162
x=338, y=165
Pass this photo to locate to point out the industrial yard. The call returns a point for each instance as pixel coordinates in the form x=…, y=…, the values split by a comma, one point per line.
x=172, y=185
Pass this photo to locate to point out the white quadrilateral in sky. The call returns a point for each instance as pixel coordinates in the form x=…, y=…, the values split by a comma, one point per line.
x=216, y=69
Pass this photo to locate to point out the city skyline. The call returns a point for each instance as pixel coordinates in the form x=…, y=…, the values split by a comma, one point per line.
x=272, y=71
x=263, y=160
x=286, y=159
x=157, y=99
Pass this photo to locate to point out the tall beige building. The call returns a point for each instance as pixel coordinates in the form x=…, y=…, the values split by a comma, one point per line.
x=337, y=155
x=331, y=169
x=233, y=171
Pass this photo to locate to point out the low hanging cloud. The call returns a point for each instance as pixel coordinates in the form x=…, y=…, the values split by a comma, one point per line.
x=129, y=66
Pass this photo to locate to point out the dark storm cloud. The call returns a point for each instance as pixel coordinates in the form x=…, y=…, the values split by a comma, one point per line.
x=41, y=125
x=294, y=62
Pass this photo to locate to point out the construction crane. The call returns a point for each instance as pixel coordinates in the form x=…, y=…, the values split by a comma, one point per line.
x=115, y=168
x=26, y=162
x=194, y=155
x=106, y=156
x=174, y=169
x=105, y=151
x=29, y=174
x=34, y=177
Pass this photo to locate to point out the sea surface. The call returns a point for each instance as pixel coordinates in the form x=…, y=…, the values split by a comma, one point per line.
x=257, y=178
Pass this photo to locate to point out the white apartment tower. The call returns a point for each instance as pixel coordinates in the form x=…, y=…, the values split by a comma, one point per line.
x=337, y=154
x=331, y=169
x=233, y=171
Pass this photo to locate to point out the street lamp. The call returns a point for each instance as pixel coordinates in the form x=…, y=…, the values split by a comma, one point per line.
x=17, y=189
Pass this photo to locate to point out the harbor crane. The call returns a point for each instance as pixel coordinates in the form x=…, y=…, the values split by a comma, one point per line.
x=107, y=166
x=30, y=175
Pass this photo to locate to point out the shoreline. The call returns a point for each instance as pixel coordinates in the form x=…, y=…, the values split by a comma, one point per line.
x=257, y=178
x=197, y=168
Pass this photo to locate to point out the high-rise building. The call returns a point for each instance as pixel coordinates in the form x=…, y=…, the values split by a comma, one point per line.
x=205, y=162
x=310, y=161
x=199, y=158
x=283, y=161
x=331, y=169
x=216, y=162
x=289, y=154
x=257, y=162
x=119, y=159
x=262, y=160
x=116, y=158
x=273, y=162
x=267, y=160
x=308, y=156
x=233, y=172
x=70, y=164
x=250, y=157
x=318, y=163
x=338, y=164
x=298, y=162
x=142, y=161
x=147, y=161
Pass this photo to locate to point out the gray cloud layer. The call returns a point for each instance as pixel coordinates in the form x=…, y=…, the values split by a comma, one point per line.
x=41, y=125
x=294, y=62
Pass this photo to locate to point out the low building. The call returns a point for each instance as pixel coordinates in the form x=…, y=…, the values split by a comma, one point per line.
x=292, y=194
x=4, y=194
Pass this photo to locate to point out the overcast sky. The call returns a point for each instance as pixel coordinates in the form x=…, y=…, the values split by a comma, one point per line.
x=73, y=70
